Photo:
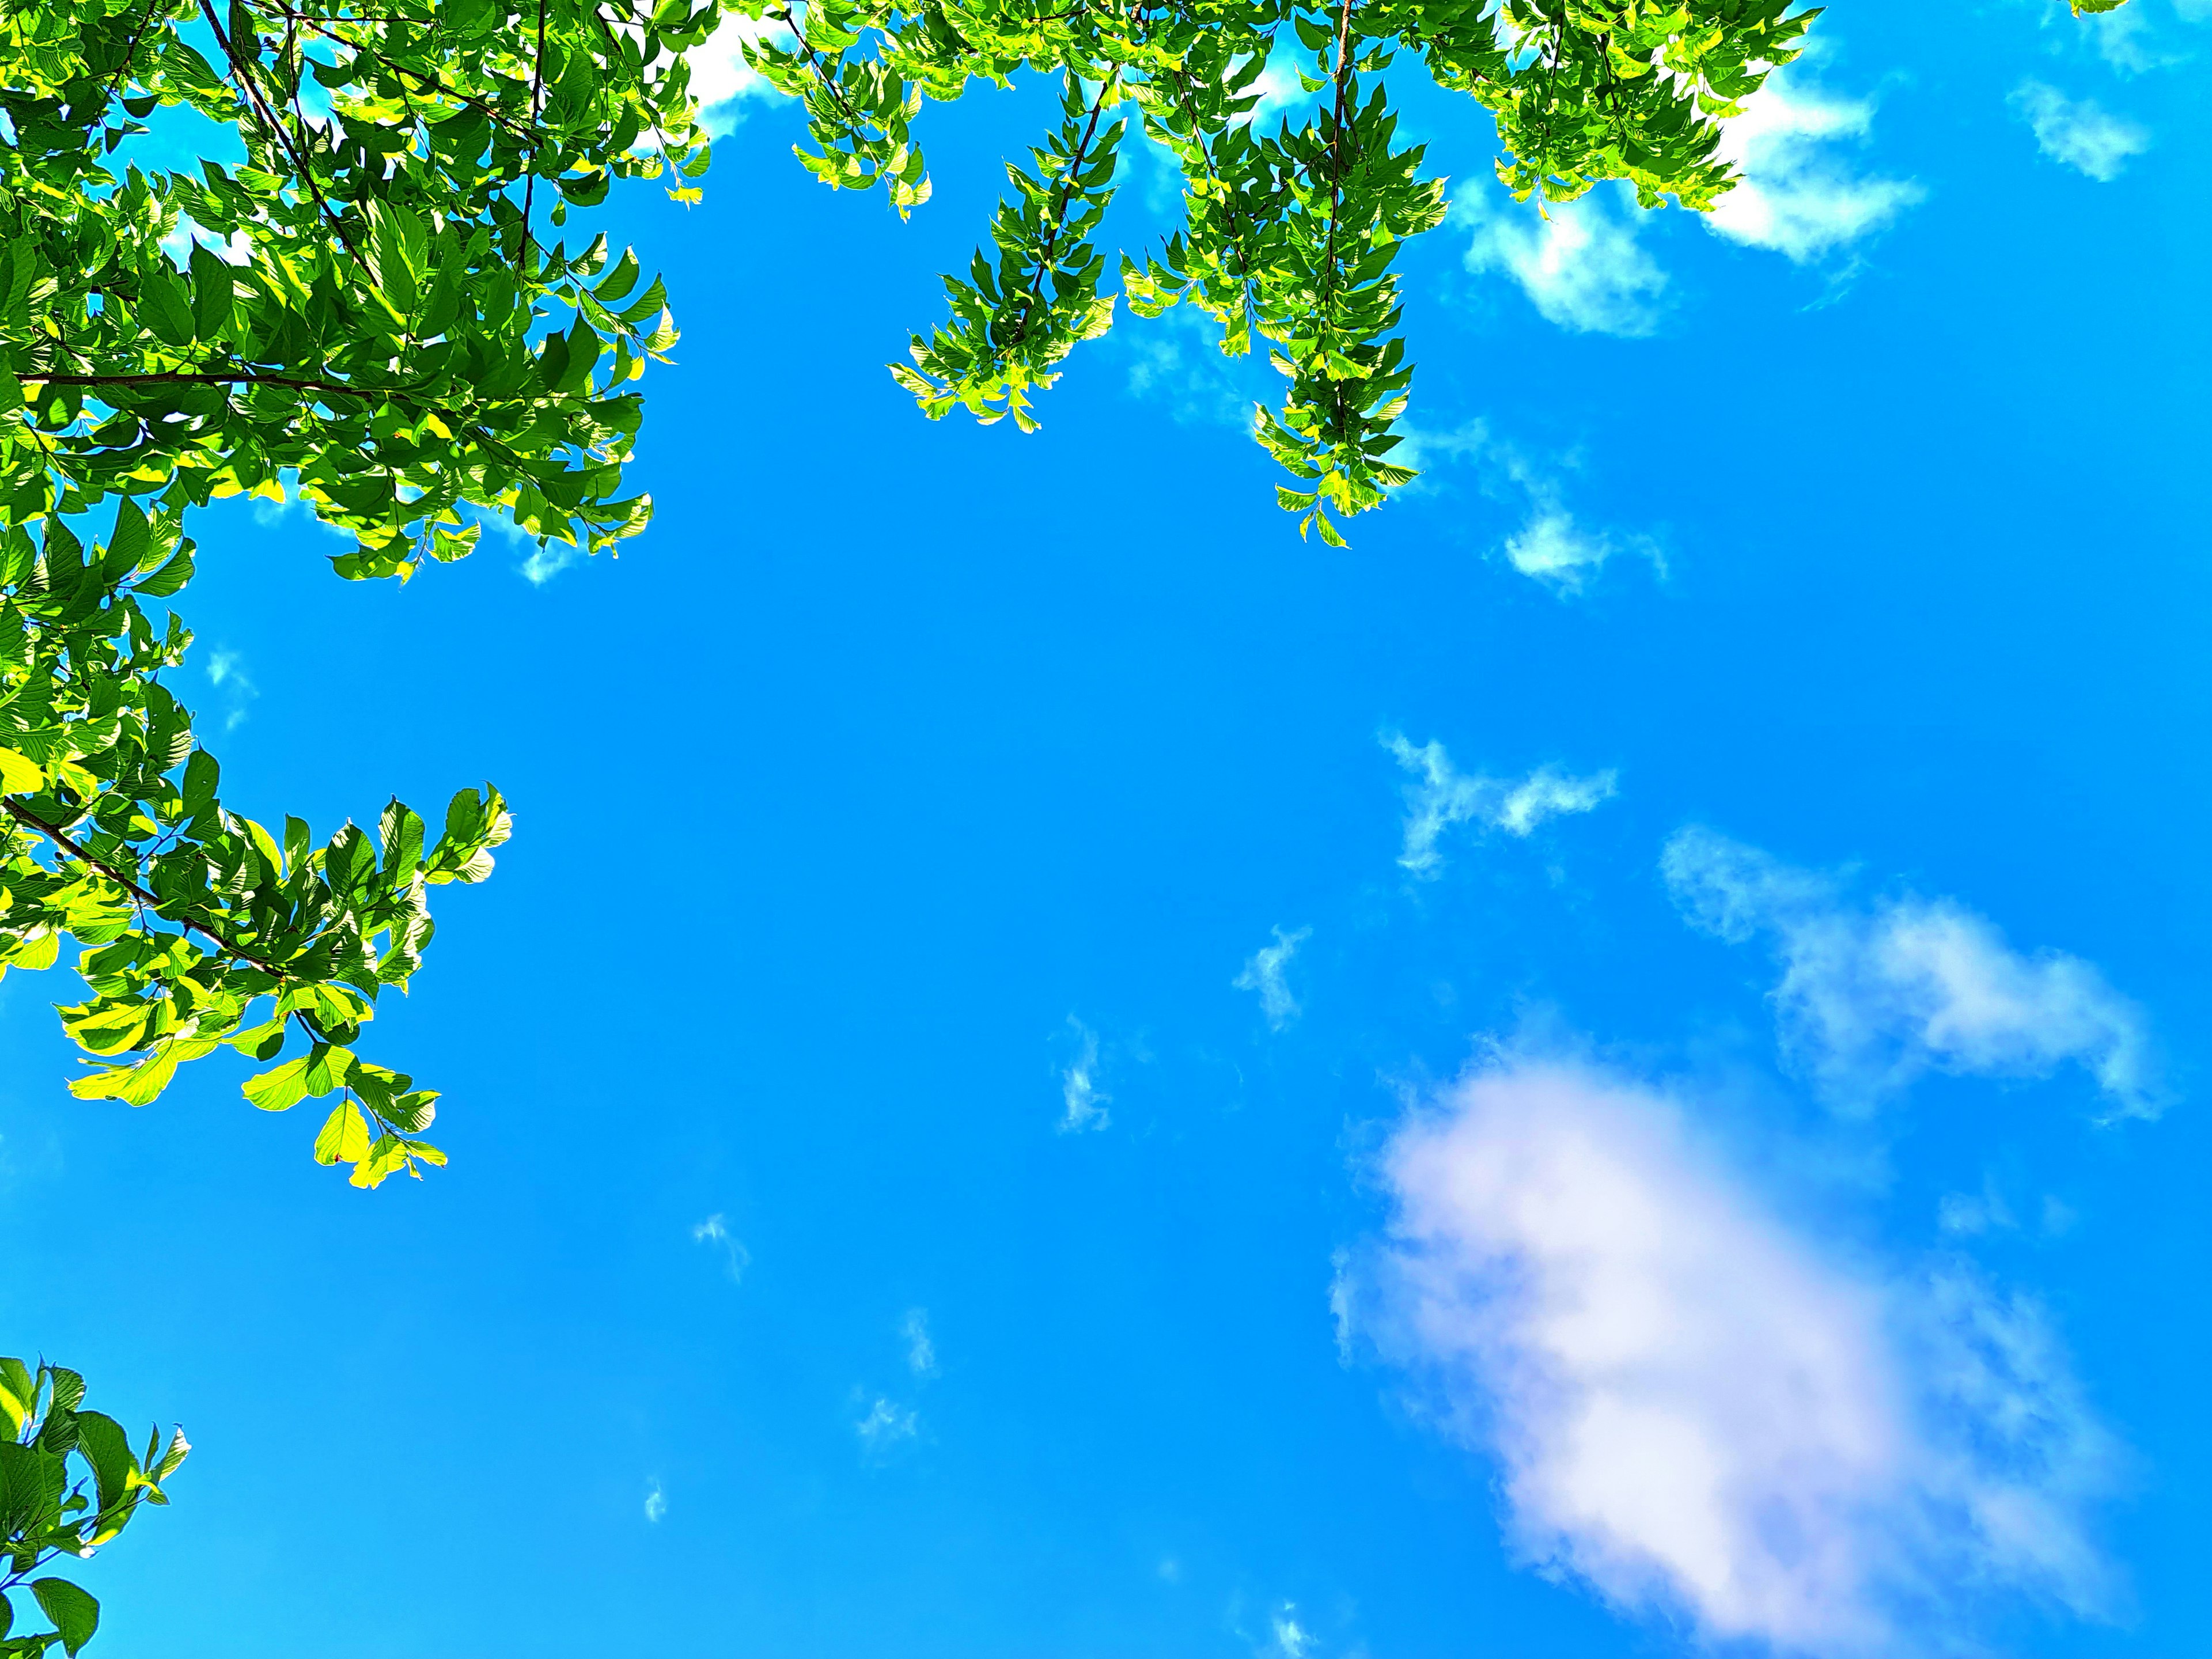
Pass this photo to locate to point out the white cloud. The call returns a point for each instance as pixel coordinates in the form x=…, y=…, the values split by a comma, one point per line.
x=716, y=1231
x=920, y=1352
x=885, y=1425
x=721, y=80
x=1695, y=1411
x=1263, y=972
x=1084, y=1103
x=1871, y=998
x=226, y=672
x=656, y=1504
x=1551, y=544
x=2128, y=40
x=1291, y=1639
x=1553, y=548
x=1578, y=262
x=1445, y=796
x=2082, y=135
x=1798, y=196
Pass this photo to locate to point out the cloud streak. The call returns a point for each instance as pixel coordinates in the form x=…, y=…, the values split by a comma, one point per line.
x=1698, y=1414
x=1442, y=797
x=1082, y=1103
x=921, y=1351
x=1264, y=972
x=1871, y=998
x=714, y=1230
x=2080, y=135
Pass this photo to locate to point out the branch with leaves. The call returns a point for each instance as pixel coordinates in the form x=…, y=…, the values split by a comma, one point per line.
x=1290, y=236
x=69, y=1483
x=370, y=315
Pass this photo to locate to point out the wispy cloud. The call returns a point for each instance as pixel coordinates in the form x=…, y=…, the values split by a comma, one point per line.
x=1084, y=1103
x=2130, y=40
x=226, y=672
x=885, y=1424
x=921, y=1351
x=714, y=1230
x=1263, y=972
x=1292, y=1640
x=1579, y=262
x=1799, y=195
x=1175, y=362
x=1552, y=544
x=1872, y=996
x=1696, y=1410
x=1444, y=796
x=656, y=1504
x=2082, y=135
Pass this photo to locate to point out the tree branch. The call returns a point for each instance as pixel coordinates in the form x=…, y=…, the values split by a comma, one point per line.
x=24, y=815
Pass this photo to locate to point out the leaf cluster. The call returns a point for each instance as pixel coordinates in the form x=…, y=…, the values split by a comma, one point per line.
x=368, y=314
x=69, y=1483
x=1289, y=237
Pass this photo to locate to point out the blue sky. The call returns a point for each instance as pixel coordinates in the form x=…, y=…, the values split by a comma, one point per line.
x=1050, y=1070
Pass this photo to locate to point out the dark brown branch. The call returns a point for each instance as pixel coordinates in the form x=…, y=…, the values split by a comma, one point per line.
x=1058, y=219
x=184, y=377
x=24, y=815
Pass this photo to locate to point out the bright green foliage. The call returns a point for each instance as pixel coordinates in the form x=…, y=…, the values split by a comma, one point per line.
x=1290, y=237
x=69, y=1483
x=367, y=316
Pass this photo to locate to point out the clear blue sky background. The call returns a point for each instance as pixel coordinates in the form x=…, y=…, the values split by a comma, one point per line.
x=898, y=756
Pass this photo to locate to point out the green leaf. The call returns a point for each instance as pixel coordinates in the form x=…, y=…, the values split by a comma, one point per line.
x=344, y=1138
x=281, y=1088
x=75, y=1613
x=162, y=305
x=19, y=774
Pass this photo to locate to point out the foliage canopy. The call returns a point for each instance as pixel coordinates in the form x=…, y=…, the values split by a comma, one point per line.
x=1289, y=237
x=364, y=314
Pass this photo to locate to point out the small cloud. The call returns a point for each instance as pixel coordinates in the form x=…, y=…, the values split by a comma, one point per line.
x=226, y=672
x=1175, y=362
x=1083, y=1102
x=2083, y=136
x=1797, y=196
x=1965, y=1216
x=1445, y=796
x=1553, y=548
x=920, y=1352
x=1341, y=1292
x=1551, y=544
x=886, y=1425
x=1872, y=996
x=2127, y=39
x=548, y=560
x=656, y=1504
x=1291, y=1639
x=716, y=1231
x=1578, y=262
x=1263, y=972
